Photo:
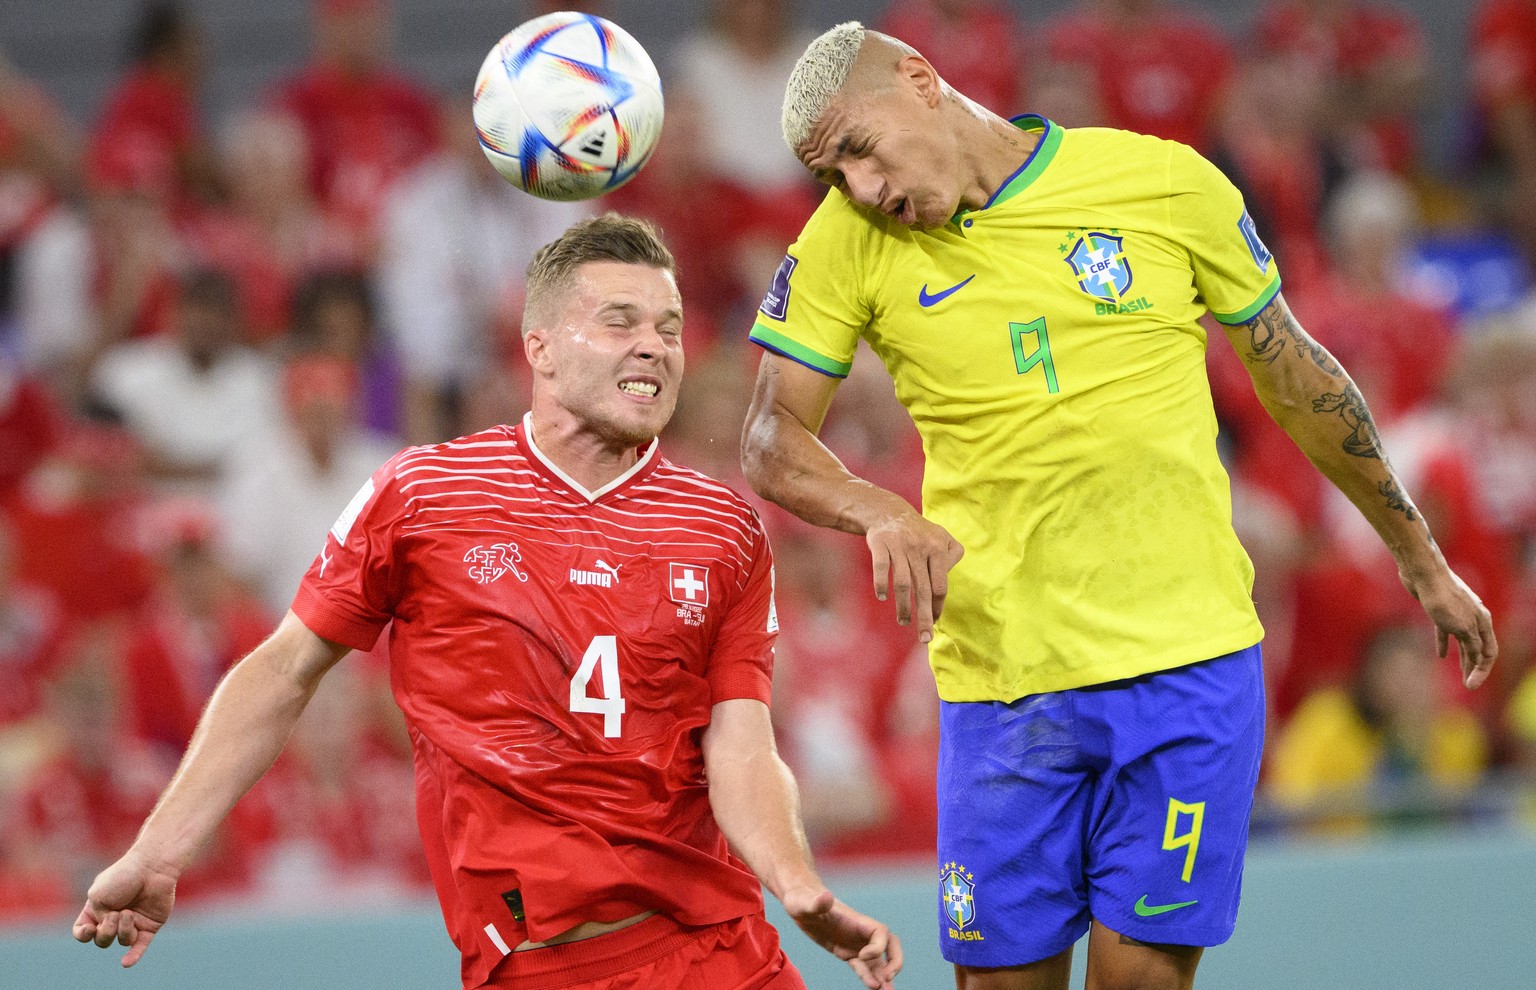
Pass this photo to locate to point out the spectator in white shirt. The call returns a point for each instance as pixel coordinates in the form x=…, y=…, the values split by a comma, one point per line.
x=282, y=494
x=196, y=395
x=455, y=241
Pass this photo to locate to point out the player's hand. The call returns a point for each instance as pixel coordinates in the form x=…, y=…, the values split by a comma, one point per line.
x=1460, y=615
x=128, y=903
x=865, y=944
x=913, y=556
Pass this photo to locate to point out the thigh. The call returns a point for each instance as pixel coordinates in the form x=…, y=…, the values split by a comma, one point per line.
x=1171, y=820
x=1046, y=974
x=1119, y=962
x=1013, y=802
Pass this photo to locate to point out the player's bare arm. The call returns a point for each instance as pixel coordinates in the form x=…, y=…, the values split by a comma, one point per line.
x=238, y=738
x=754, y=799
x=785, y=463
x=1311, y=396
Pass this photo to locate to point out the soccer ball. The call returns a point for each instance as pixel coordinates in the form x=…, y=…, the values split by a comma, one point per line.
x=568, y=106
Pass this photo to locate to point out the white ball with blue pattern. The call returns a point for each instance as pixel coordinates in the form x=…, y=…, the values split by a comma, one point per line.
x=568, y=106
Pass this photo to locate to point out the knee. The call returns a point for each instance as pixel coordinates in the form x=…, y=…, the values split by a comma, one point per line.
x=1147, y=967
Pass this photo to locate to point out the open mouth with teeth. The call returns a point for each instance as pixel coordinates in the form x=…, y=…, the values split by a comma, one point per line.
x=636, y=387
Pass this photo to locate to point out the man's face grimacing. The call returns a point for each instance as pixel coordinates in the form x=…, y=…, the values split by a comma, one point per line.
x=613, y=354
x=883, y=147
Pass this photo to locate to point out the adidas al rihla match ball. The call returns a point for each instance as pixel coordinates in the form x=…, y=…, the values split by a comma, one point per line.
x=568, y=106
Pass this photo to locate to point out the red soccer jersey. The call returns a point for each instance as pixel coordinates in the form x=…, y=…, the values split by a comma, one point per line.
x=1349, y=48
x=556, y=653
x=1504, y=53
x=1164, y=74
x=150, y=121
x=362, y=132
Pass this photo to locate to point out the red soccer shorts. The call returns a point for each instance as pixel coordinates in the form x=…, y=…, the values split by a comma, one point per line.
x=742, y=954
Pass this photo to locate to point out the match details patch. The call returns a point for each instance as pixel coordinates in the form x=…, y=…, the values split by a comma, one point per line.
x=776, y=302
x=1261, y=255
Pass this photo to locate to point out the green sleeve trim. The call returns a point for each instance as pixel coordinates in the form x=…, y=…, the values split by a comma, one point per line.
x=796, y=351
x=1244, y=315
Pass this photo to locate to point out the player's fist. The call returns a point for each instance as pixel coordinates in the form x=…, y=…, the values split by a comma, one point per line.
x=911, y=557
x=865, y=944
x=128, y=903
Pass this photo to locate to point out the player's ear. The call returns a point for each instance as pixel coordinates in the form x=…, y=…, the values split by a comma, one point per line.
x=916, y=72
x=536, y=350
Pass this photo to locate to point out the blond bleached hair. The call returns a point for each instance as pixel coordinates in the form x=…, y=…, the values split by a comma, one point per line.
x=817, y=77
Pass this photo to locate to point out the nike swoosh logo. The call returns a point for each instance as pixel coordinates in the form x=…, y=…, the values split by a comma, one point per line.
x=1145, y=910
x=925, y=300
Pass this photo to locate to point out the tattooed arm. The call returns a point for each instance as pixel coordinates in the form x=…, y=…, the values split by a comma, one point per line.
x=1313, y=399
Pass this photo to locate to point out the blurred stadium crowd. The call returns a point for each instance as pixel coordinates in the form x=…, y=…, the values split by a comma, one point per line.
x=212, y=331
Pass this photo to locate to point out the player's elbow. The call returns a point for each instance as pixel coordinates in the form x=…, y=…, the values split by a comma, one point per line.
x=758, y=442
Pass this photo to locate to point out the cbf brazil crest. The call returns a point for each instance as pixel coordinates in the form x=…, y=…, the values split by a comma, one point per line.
x=1102, y=269
x=957, y=891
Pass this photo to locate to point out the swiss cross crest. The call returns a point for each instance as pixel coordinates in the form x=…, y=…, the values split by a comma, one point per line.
x=1102, y=269
x=689, y=584
x=487, y=564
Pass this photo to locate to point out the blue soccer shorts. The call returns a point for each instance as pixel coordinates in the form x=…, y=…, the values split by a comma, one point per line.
x=1127, y=802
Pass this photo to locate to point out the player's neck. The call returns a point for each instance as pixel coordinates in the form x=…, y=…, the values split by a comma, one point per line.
x=994, y=150
x=578, y=451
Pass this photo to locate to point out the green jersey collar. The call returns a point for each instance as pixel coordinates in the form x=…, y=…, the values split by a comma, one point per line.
x=1038, y=160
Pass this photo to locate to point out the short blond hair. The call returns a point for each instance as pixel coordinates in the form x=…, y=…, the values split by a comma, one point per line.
x=610, y=237
x=816, y=78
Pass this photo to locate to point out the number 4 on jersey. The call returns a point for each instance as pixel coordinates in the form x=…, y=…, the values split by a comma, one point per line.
x=611, y=705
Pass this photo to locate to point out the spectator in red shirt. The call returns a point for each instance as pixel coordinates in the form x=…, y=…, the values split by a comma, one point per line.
x=73, y=527
x=1371, y=65
x=29, y=425
x=1158, y=69
x=334, y=815
x=1504, y=90
x=149, y=136
x=365, y=123
x=31, y=629
x=1273, y=150
x=84, y=797
x=1396, y=347
x=195, y=627
x=87, y=796
x=974, y=45
x=270, y=229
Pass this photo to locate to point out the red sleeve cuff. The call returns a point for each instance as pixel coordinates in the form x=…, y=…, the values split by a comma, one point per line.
x=329, y=621
x=744, y=679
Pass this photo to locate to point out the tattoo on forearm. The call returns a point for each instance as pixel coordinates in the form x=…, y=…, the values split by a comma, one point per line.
x=1269, y=333
x=1264, y=343
x=1363, y=440
x=1397, y=499
x=1273, y=327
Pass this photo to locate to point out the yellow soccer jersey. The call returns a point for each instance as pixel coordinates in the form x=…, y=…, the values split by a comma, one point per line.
x=1048, y=349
